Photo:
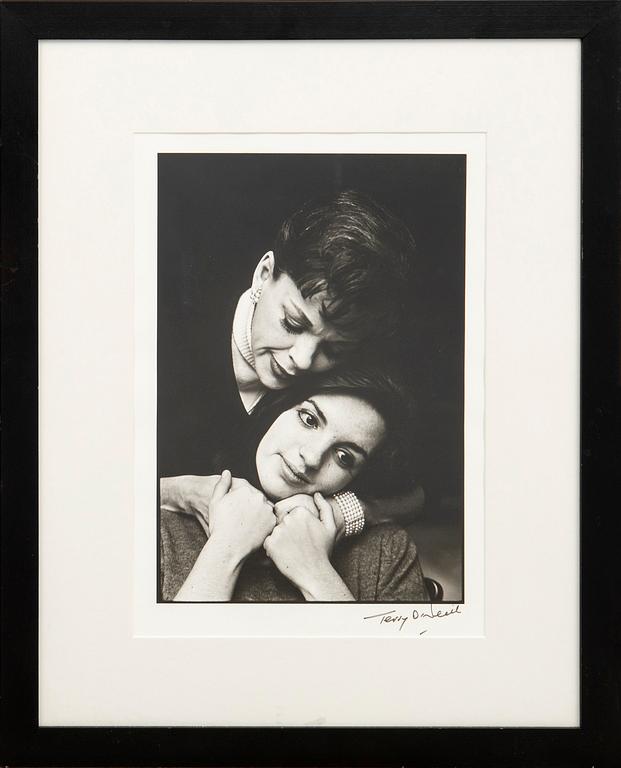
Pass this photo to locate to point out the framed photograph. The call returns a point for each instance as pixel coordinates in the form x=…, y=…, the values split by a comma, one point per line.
x=436, y=183
x=311, y=371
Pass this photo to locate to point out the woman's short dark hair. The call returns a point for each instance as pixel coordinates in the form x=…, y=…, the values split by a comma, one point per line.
x=356, y=251
x=389, y=471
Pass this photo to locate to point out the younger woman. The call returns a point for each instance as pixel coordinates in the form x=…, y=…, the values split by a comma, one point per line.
x=344, y=431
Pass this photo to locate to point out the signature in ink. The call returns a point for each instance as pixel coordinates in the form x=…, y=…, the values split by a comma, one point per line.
x=399, y=619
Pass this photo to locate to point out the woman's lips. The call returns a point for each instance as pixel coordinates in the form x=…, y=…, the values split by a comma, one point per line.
x=278, y=371
x=292, y=474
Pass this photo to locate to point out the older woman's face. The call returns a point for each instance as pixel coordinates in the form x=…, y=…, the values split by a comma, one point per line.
x=290, y=337
x=318, y=446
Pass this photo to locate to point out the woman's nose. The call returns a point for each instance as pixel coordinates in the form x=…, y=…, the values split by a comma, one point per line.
x=311, y=454
x=302, y=353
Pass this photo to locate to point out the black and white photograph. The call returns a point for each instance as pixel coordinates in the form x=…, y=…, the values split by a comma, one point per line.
x=310, y=377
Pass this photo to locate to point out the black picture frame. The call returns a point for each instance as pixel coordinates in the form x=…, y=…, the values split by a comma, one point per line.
x=597, y=742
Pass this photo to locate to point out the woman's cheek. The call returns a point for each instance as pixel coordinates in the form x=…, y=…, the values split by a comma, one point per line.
x=335, y=479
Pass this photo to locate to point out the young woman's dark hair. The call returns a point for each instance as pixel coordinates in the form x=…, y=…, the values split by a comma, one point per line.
x=389, y=470
x=355, y=250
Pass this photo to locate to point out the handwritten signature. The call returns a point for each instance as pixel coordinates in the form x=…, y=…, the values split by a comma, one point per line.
x=392, y=617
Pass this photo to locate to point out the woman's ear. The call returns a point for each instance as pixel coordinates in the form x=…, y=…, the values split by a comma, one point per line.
x=263, y=271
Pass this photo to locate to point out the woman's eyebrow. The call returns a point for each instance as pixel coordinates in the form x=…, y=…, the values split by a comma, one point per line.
x=358, y=448
x=353, y=446
x=319, y=411
x=299, y=316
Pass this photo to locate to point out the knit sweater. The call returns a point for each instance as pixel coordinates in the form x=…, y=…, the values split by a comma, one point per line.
x=380, y=565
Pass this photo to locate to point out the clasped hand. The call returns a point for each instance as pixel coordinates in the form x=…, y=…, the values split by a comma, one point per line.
x=301, y=544
x=194, y=494
x=239, y=518
x=297, y=533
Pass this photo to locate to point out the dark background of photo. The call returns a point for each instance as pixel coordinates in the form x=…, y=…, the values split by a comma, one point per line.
x=219, y=213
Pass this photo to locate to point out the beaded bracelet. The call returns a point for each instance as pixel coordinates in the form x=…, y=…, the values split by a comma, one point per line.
x=353, y=514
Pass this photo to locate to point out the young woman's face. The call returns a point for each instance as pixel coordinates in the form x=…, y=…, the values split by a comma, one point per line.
x=290, y=336
x=319, y=445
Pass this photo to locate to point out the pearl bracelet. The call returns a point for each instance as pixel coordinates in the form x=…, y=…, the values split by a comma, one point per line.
x=353, y=514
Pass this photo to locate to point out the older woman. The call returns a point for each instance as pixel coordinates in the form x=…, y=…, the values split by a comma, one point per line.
x=342, y=433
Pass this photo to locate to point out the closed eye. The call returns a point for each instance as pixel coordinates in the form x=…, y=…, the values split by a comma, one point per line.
x=290, y=326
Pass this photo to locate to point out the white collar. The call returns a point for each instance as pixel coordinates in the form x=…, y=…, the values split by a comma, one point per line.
x=250, y=388
x=242, y=327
